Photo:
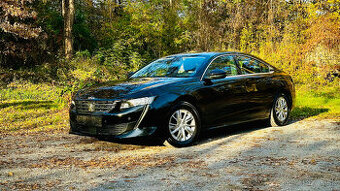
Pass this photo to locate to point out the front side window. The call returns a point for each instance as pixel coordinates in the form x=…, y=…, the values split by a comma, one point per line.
x=225, y=63
x=251, y=66
x=184, y=66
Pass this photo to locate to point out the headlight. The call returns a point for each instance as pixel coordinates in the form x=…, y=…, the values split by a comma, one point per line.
x=136, y=102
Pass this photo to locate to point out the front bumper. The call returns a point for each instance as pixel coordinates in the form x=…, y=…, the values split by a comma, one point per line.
x=125, y=124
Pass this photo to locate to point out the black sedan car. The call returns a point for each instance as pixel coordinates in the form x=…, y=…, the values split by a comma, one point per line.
x=179, y=96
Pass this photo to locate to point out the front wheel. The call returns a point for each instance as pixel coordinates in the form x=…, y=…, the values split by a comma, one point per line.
x=183, y=125
x=280, y=111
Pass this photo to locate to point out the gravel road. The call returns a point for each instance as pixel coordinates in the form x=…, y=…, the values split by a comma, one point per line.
x=304, y=155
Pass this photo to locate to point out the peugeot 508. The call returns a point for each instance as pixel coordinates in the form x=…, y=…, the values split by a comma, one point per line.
x=179, y=96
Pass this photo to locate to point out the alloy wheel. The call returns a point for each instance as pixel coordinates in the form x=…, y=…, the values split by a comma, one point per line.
x=182, y=125
x=281, y=109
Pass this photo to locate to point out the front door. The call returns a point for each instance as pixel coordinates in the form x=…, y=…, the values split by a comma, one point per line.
x=223, y=99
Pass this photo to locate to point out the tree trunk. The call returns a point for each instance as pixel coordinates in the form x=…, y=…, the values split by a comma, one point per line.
x=68, y=15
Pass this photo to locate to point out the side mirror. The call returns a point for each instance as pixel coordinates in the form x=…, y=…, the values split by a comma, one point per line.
x=216, y=74
x=129, y=74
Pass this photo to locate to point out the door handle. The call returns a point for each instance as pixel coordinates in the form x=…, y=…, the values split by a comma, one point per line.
x=222, y=89
x=250, y=85
x=248, y=82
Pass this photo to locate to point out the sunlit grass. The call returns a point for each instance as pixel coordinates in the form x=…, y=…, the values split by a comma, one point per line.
x=321, y=104
x=28, y=108
x=23, y=90
x=34, y=117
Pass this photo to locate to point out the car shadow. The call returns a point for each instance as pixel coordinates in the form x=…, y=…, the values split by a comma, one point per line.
x=298, y=114
x=140, y=141
x=223, y=132
x=207, y=136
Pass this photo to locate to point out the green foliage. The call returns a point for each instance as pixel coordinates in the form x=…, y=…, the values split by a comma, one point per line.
x=51, y=22
x=247, y=39
x=83, y=37
x=85, y=69
x=123, y=34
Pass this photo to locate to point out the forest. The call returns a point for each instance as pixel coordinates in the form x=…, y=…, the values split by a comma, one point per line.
x=50, y=49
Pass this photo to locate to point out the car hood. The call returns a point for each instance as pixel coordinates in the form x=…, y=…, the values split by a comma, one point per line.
x=120, y=89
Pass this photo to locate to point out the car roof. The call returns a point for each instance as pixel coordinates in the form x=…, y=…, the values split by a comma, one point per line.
x=207, y=54
x=213, y=54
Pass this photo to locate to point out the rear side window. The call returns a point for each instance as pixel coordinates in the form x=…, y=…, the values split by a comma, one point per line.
x=251, y=66
x=225, y=63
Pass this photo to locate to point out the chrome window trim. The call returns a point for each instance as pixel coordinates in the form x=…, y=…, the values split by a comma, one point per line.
x=239, y=75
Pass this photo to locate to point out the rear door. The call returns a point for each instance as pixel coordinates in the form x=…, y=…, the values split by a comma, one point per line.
x=258, y=84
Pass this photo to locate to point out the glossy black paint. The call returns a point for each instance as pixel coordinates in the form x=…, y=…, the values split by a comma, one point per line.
x=220, y=102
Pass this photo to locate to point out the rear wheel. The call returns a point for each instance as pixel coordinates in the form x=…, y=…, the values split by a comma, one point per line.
x=183, y=125
x=280, y=111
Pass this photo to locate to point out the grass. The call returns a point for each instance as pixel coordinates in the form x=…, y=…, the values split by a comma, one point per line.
x=321, y=104
x=27, y=116
x=33, y=108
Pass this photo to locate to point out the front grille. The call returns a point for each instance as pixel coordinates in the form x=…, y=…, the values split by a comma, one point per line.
x=90, y=130
x=117, y=129
x=87, y=107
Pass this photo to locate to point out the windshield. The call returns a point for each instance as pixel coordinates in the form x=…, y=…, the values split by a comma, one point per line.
x=185, y=66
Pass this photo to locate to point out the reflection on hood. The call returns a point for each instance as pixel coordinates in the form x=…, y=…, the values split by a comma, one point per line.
x=119, y=89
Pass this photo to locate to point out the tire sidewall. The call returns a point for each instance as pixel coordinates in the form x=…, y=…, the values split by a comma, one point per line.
x=192, y=109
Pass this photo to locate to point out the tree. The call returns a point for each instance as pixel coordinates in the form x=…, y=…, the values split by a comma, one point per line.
x=17, y=32
x=68, y=12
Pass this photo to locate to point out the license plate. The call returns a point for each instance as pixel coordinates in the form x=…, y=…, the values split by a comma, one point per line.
x=88, y=120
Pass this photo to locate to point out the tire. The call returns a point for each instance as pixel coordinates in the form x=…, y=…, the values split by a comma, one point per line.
x=279, y=113
x=183, y=125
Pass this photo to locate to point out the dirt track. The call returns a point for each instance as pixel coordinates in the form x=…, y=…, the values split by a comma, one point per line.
x=304, y=155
